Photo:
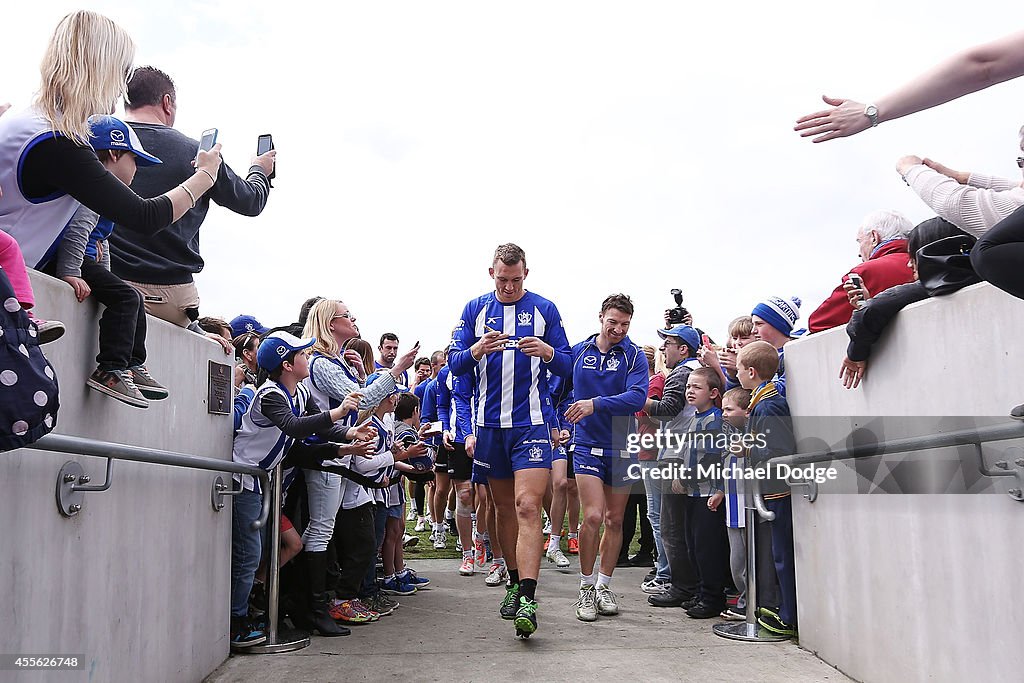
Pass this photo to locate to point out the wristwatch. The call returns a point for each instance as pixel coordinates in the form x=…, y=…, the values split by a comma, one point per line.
x=871, y=111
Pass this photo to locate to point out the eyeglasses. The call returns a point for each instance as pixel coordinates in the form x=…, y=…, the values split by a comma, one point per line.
x=347, y=314
x=1020, y=162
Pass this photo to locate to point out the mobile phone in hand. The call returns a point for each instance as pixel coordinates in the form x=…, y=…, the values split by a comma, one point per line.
x=264, y=144
x=207, y=141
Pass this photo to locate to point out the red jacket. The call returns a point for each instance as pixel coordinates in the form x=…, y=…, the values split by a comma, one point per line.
x=886, y=268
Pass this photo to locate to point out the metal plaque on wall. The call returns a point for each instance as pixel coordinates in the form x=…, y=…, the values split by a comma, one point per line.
x=219, y=391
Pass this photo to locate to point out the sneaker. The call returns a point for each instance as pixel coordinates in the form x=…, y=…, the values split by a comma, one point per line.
x=574, y=546
x=244, y=634
x=558, y=557
x=772, y=622
x=408, y=540
x=51, y=330
x=669, y=598
x=344, y=610
x=450, y=524
x=655, y=586
x=440, y=540
x=497, y=575
x=480, y=553
x=395, y=586
x=361, y=606
x=410, y=577
x=703, y=611
x=586, y=609
x=690, y=603
x=1017, y=413
x=526, y=617
x=606, y=605
x=421, y=525
x=510, y=603
x=117, y=384
x=733, y=614
x=468, y=567
x=411, y=516
x=642, y=560
x=148, y=386
x=381, y=604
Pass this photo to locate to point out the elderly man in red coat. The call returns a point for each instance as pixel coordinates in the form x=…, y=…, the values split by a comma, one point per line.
x=882, y=243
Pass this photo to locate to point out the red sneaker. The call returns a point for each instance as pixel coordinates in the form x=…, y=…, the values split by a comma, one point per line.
x=574, y=546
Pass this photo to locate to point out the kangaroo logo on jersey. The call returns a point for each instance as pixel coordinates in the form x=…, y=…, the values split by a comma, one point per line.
x=590, y=362
x=525, y=318
x=612, y=364
x=536, y=454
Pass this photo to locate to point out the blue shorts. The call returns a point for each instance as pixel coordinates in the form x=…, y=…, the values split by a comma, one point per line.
x=559, y=454
x=610, y=466
x=478, y=475
x=501, y=452
x=396, y=511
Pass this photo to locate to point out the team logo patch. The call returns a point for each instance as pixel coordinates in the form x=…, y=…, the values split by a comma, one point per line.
x=116, y=136
x=249, y=327
x=536, y=454
x=590, y=362
x=525, y=318
x=282, y=351
x=612, y=363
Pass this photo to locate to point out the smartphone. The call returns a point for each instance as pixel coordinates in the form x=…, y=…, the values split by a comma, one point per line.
x=208, y=140
x=857, y=282
x=264, y=144
x=705, y=340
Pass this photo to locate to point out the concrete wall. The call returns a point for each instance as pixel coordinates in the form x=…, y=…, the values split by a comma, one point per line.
x=138, y=582
x=915, y=587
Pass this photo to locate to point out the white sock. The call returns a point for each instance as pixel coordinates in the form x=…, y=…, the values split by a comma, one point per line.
x=586, y=580
x=467, y=554
x=389, y=577
x=572, y=535
x=603, y=580
x=553, y=542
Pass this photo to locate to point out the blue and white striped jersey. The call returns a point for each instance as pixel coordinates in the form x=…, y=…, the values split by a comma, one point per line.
x=510, y=389
x=735, y=517
x=259, y=441
x=454, y=404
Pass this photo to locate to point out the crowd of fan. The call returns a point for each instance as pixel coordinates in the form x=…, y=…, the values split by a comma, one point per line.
x=114, y=209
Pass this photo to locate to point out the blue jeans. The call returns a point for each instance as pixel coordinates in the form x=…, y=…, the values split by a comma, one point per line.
x=246, y=548
x=653, y=489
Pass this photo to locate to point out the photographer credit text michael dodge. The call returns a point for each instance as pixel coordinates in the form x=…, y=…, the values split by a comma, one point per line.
x=676, y=443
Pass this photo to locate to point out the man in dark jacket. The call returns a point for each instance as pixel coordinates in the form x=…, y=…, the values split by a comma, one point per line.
x=161, y=265
x=882, y=245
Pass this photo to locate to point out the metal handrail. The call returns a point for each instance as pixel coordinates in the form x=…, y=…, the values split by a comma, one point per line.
x=962, y=437
x=76, y=445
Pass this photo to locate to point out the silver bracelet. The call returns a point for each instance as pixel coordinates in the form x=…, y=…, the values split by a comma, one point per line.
x=189, y=193
x=212, y=179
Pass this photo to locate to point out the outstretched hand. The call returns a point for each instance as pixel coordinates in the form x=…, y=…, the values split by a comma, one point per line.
x=844, y=118
x=852, y=372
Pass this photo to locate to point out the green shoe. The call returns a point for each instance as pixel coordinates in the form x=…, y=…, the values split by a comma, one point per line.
x=773, y=623
x=526, y=617
x=510, y=605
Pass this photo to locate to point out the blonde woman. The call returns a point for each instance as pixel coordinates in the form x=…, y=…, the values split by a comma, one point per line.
x=46, y=162
x=334, y=374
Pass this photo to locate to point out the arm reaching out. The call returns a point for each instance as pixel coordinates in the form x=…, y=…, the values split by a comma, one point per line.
x=969, y=71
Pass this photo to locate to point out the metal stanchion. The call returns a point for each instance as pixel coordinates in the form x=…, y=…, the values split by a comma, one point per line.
x=285, y=640
x=749, y=630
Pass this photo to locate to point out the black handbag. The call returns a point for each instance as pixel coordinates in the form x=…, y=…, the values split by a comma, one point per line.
x=944, y=266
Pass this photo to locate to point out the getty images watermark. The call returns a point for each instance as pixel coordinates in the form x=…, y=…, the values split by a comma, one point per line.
x=681, y=444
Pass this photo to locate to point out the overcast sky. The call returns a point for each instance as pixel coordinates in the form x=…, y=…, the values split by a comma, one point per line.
x=630, y=147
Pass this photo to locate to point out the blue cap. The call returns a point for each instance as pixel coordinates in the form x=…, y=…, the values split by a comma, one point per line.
x=246, y=323
x=276, y=346
x=685, y=334
x=107, y=132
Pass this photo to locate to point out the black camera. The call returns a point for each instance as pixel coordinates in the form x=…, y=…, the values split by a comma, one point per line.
x=677, y=315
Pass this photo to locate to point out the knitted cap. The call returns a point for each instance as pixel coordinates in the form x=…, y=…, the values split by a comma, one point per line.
x=780, y=313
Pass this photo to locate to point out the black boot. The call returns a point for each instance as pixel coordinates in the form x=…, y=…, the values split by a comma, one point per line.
x=322, y=621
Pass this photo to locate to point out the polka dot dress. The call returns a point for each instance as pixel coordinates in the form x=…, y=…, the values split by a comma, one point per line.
x=28, y=384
